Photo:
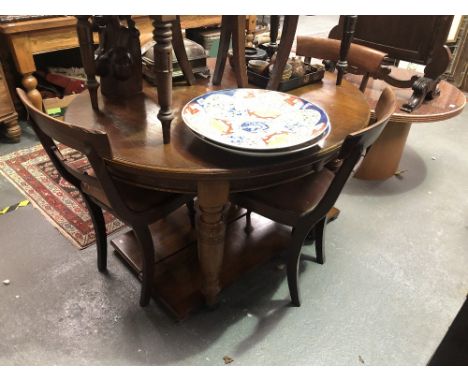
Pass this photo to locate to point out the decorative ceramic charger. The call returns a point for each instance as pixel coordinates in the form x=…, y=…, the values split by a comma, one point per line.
x=256, y=121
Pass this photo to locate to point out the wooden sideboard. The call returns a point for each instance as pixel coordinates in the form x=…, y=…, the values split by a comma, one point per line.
x=22, y=40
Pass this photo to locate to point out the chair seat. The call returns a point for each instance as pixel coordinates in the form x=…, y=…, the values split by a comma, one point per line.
x=287, y=202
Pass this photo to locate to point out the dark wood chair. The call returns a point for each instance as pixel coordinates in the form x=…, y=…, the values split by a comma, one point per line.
x=304, y=203
x=361, y=59
x=135, y=206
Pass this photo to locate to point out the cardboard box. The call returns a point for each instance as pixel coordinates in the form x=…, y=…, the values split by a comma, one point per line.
x=55, y=107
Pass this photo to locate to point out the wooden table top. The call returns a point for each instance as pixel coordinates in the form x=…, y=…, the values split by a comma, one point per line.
x=138, y=151
x=448, y=104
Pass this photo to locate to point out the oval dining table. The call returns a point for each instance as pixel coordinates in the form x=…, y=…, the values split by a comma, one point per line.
x=189, y=165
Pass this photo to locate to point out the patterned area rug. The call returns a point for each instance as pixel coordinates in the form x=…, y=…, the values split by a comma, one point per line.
x=33, y=174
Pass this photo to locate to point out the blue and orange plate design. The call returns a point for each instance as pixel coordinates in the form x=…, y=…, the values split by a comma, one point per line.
x=256, y=121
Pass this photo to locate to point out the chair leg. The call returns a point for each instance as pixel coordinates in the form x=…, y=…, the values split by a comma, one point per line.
x=224, y=40
x=248, y=222
x=145, y=240
x=99, y=225
x=181, y=54
x=191, y=208
x=319, y=231
x=293, y=257
x=284, y=49
x=310, y=238
x=238, y=50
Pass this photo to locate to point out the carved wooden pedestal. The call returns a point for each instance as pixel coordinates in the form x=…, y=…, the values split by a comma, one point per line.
x=389, y=145
x=178, y=276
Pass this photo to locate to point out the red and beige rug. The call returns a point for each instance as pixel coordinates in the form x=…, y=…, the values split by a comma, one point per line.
x=33, y=174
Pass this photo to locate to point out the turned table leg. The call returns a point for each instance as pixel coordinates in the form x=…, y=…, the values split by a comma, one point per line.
x=30, y=83
x=383, y=158
x=211, y=228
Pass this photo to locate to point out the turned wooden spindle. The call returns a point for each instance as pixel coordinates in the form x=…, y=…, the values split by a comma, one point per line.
x=348, y=33
x=162, y=34
x=85, y=38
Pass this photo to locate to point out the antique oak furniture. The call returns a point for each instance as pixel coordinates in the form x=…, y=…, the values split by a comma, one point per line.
x=304, y=203
x=23, y=39
x=418, y=39
x=137, y=129
x=135, y=206
x=8, y=115
x=192, y=270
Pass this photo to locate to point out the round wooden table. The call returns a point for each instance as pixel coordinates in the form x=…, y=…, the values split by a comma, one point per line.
x=382, y=160
x=189, y=165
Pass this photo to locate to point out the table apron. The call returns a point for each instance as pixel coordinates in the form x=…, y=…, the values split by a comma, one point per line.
x=188, y=184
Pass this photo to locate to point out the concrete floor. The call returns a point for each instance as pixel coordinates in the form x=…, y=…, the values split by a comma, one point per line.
x=395, y=277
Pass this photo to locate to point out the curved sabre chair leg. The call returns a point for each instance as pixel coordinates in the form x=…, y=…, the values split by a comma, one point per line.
x=99, y=225
x=145, y=240
x=293, y=257
x=319, y=231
